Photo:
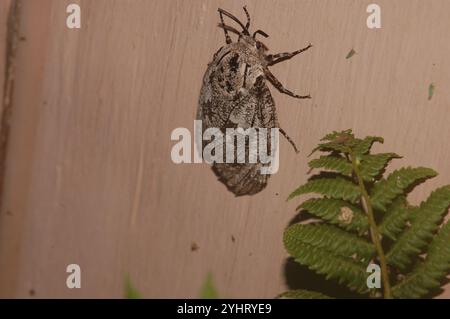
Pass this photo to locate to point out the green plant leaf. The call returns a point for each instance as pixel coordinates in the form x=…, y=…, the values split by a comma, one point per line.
x=334, y=163
x=413, y=261
x=335, y=135
x=303, y=294
x=431, y=88
x=373, y=165
x=345, y=142
x=343, y=269
x=394, y=221
x=208, y=290
x=416, y=237
x=386, y=190
x=329, y=238
x=335, y=142
x=338, y=188
x=337, y=212
x=429, y=274
x=332, y=147
x=130, y=291
x=361, y=147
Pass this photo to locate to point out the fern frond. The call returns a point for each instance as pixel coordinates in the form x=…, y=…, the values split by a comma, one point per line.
x=337, y=135
x=337, y=212
x=343, y=269
x=361, y=147
x=413, y=254
x=338, y=188
x=336, y=142
x=422, y=229
x=345, y=142
x=386, y=190
x=329, y=238
x=331, y=147
x=429, y=274
x=373, y=165
x=303, y=294
x=394, y=221
x=334, y=163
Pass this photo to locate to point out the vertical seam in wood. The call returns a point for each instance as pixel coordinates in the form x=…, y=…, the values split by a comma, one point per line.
x=12, y=39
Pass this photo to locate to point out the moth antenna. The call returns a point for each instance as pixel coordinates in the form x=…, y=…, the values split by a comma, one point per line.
x=227, y=36
x=289, y=140
x=232, y=17
x=228, y=28
x=247, y=26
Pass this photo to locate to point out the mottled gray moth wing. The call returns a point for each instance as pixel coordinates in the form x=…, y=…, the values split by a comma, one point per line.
x=234, y=95
x=241, y=179
x=224, y=107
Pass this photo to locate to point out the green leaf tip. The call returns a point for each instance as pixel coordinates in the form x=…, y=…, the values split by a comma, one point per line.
x=130, y=291
x=345, y=142
x=208, y=290
x=431, y=89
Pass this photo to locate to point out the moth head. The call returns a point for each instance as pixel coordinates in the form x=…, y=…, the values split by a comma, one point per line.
x=244, y=35
x=259, y=45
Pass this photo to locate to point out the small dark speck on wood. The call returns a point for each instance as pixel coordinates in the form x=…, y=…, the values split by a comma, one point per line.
x=431, y=91
x=194, y=246
x=350, y=54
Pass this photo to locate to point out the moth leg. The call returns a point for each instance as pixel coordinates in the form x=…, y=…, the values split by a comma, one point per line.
x=280, y=57
x=227, y=36
x=277, y=84
x=289, y=140
x=247, y=26
x=265, y=35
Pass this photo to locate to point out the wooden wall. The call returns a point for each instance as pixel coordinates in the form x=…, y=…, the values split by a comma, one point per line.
x=4, y=10
x=89, y=179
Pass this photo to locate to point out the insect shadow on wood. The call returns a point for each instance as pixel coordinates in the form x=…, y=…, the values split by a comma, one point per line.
x=235, y=94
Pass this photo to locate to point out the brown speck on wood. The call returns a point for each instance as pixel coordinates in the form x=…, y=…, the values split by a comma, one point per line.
x=194, y=246
x=32, y=292
x=233, y=239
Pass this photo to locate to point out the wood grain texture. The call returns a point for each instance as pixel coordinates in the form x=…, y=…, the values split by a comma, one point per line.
x=89, y=177
x=4, y=10
x=9, y=40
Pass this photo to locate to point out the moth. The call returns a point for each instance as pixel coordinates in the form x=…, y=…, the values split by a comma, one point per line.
x=235, y=94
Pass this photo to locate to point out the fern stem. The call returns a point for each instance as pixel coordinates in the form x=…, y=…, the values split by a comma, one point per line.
x=374, y=233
